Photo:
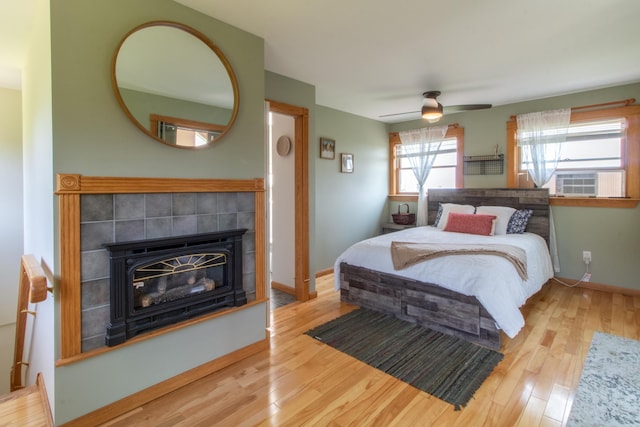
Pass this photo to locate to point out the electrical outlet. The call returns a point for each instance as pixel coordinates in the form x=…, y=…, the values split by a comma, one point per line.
x=586, y=257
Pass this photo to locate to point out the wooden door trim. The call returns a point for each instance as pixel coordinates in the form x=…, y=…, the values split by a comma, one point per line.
x=301, y=196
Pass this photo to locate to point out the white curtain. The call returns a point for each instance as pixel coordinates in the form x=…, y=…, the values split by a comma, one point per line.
x=540, y=138
x=421, y=147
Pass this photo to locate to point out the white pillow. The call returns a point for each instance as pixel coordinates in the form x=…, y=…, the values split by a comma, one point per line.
x=502, y=213
x=452, y=207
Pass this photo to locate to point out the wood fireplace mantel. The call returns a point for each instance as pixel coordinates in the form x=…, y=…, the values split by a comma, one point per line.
x=69, y=188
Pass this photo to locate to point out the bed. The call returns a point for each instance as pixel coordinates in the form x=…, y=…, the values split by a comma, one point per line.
x=471, y=296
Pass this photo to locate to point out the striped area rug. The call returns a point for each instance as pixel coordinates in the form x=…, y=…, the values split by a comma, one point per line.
x=446, y=367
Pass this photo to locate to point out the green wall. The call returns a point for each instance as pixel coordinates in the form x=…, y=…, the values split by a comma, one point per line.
x=349, y=206
x=88, y=122
x=611, y=234
x=92, y=136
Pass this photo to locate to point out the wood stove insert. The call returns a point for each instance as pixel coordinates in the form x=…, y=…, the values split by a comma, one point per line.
x=158, y=282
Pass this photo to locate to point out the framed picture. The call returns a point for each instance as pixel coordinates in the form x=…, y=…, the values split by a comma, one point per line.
x=346, y=163
x=327, y=148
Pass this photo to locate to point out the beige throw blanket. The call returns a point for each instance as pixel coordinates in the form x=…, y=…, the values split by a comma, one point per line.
x=404, y=254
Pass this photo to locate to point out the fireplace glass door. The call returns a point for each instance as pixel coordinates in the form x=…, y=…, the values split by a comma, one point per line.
x=169, y=279
x=159, y=282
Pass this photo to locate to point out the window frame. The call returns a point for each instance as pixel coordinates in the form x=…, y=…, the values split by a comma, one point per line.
x=192, y=125
x=453, y=131
x=630, y=157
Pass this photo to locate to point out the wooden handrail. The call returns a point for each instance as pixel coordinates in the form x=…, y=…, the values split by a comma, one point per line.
x=32, y=289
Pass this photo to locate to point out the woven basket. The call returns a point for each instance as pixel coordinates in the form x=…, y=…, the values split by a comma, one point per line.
x=404, y=218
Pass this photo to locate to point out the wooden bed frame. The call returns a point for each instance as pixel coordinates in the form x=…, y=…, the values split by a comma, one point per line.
x=431, y=305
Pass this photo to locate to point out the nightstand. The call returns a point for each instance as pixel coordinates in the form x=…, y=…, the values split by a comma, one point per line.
x=390, y=227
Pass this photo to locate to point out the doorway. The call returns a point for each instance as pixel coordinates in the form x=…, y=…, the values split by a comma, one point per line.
x=296, y=234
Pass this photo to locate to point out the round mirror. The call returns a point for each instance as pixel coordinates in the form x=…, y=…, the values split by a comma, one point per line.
x=175, y=84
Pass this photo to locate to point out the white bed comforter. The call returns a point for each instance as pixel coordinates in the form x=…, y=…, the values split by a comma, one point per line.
x=491, y=279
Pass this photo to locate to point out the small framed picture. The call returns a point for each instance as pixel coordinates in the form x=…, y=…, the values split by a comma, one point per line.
x=346, y=163
x=327, y=148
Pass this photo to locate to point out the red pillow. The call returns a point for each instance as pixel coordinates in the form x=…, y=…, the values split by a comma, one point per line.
x=471, y=223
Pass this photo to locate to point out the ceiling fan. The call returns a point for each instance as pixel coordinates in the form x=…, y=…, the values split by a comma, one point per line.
x=432, y=110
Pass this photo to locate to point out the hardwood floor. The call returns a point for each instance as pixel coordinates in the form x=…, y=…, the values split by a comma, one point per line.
x=303, y=382
x=26, y=407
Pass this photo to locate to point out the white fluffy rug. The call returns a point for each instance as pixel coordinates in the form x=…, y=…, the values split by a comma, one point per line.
x=609, y=390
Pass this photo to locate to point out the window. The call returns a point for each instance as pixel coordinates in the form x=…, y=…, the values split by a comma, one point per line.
x=591, y=161
x=183, y=136
x=599, y=162
x=445, y=173
x=182, y=132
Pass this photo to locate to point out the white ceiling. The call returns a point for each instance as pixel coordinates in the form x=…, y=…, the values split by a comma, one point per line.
x=376, y=57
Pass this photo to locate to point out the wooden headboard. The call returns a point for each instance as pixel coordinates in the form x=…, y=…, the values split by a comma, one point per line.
x=536, y=199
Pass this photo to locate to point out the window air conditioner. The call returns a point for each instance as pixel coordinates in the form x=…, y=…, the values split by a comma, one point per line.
x=577, y=184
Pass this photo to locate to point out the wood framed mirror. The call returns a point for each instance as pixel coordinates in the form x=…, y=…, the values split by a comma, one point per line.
x=175, y=84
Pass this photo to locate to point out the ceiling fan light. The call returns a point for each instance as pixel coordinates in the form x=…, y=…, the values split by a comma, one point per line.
x=430, y=102
x=432, y=114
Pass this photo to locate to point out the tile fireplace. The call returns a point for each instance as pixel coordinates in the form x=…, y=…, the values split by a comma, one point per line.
x=158, y=282
x=97, y=211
